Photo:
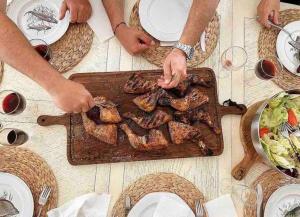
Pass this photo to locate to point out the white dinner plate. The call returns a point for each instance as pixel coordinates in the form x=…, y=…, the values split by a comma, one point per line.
x=39, y=19
x=164, y=20
x=147, y=205
x=19, y=193
x=286, y=53
x=282, y=197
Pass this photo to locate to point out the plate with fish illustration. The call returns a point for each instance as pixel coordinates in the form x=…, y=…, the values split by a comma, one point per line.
x=39, y=19
x=15, y=197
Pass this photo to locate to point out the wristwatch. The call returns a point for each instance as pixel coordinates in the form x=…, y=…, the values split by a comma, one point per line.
x=187, y=49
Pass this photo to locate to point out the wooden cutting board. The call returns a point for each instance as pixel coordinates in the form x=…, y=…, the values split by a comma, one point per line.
x=85, y=149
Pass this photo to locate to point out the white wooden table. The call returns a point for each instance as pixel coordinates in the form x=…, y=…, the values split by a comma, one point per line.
x=208, y=174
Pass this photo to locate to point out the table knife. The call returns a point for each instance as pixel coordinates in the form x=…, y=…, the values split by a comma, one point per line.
x=259, y=201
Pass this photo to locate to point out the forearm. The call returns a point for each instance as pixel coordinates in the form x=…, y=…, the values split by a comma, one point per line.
x=200, y=15
x=16, y=51
x=115, y=11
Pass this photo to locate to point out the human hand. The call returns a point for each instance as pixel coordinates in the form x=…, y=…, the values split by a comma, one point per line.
x=80, y=10
x=174, y=69
x=133, y=40
x=71, y=97
x=268, y=10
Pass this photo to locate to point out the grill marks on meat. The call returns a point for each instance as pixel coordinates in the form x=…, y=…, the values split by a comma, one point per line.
x=148, y=101
x=107, y=133
x=136, y=84
x=104, y=111
x=192, y=79
x=197, y=115
x=155, y=140
x=181, y=132
x=150, y=121
x=193, y=99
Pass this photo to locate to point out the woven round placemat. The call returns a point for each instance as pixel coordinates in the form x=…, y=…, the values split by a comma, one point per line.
x=68, y=51
x=267, y=47
x=159, y=182
x=33, y=170
x=156, y=54
x=270, y=180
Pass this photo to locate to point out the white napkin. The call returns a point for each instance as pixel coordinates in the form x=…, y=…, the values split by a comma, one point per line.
x=170, y=207
x=88, y=205
x=99, y=21
x=221, y=207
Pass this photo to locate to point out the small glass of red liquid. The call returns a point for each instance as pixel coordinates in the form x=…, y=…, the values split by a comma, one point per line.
x=268, y=68
x=12, y=102
x=42, y=48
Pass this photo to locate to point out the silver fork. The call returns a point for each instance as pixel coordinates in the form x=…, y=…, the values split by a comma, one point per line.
x=284, y=130
x=293, y=130
x=127, y=205
x=199, y=209
x=44, y=196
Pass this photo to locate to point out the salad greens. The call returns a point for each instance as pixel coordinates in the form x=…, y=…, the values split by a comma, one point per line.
x=281, y=109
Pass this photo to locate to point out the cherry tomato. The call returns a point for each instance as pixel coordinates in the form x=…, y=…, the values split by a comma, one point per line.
x=292, y=119
x=263, y=131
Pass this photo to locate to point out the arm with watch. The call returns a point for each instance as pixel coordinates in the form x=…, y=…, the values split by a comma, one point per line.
x=175, y=65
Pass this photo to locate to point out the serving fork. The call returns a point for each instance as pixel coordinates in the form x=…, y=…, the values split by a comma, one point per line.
x=294, y=130
x=199, y=209
x=44, y=196
x=284, y=130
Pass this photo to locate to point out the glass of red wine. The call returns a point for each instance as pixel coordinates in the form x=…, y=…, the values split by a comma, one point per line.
x=232, y=59
x=268, y=68
x=42, y=48
x=12, y=102
x=10, y=136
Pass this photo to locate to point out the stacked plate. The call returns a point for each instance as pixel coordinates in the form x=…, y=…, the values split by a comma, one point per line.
x=154, y=204
x=15, y=197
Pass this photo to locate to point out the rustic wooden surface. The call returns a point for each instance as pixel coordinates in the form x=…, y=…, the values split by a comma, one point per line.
x=237, y=28
x=83, y=148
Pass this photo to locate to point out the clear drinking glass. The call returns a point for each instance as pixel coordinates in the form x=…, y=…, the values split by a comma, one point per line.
x=42, y=48
x=12, y=102
x=232, y=59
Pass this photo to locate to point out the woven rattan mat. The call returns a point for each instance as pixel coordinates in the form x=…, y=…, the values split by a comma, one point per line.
x=270, y=180
x=267, y=47
x=72, y=47
x=159, y=182
x=157, y=54
x=33, y=170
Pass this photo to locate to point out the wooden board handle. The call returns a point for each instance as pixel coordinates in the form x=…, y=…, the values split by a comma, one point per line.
x=240, y=170
x=232, y=108
x=47, y=120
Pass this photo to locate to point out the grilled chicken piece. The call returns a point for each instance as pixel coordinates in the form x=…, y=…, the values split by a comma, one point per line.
x=150, y=121
x=192, y=100
x=136, y=84
x=192, y=79
x=197, y=115
x=181, y=132
x=155, y=140
x=107, y=133
x=104, y=111
x=148, y=101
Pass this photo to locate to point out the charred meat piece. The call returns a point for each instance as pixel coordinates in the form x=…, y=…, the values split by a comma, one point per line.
x=155, y=140
x=104, y=111
x=148, y=101
x=197, y=115
x=181, y=132
x=150, y=121
x=193, y=99
x=192, y=79
x=107, y=133
x=198, y=80
x=136, y=84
